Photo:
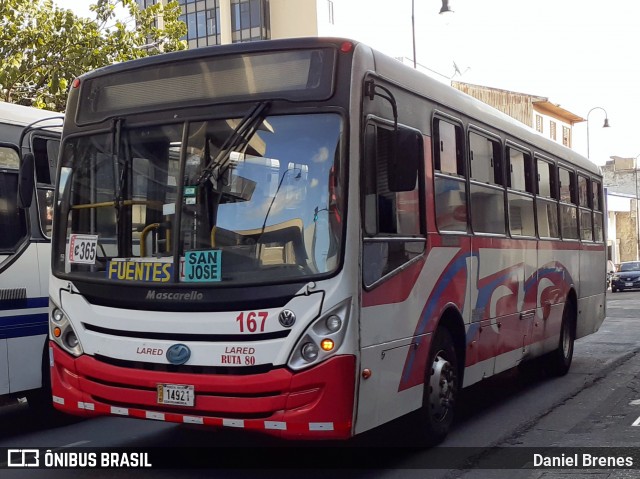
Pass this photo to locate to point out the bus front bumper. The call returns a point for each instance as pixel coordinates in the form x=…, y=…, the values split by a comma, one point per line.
x=316, y=403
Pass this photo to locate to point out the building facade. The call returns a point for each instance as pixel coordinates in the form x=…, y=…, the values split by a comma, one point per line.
x=620, y=177
x=219, y=22
x=537, y=112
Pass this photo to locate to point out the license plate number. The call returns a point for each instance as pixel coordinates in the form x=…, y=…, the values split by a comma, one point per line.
x=176, y=394
x=628, y=284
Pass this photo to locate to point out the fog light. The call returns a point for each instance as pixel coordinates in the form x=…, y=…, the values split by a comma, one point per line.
x=71, y=340
x=327, y=344
x=309, y=352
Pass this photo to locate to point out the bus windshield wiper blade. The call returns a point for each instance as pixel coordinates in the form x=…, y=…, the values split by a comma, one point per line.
x=120, y=171
x=240, y=136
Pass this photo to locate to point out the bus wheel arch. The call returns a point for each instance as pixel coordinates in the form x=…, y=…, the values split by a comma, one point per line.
x=451, y=319
x=40, y=400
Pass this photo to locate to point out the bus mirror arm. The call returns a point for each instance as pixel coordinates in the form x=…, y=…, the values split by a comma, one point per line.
x=370, y=90
x=26, y=181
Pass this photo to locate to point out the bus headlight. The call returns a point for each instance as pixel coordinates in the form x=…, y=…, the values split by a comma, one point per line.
x=309, y=351
x=57, y=315
x=63, y=334
x=322, y=338
x=334, y=323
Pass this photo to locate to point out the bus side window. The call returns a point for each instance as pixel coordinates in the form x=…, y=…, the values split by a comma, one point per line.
x=392, y=226
x=598, y=217
x=520, y=194
x=546, y=200
x=568, y=203
x=585, y=206
x=13, y=222
x=487, y=194
x=450, y=182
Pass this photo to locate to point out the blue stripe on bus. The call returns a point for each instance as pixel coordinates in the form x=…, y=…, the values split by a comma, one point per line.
x=20, y=326
x=6, y=304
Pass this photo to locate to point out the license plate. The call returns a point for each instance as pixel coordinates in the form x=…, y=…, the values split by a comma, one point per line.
x=628, y=284
x=176, y=394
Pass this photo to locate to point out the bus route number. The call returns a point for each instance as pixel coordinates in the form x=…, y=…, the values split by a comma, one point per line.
x=253, y=321
x=83, y=249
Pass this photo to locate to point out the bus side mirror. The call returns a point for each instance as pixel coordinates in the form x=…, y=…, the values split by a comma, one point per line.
x=26, y=181
x=404, y=164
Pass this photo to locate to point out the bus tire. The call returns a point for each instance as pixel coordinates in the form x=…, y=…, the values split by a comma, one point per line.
x=441, y=389
x=559, y=361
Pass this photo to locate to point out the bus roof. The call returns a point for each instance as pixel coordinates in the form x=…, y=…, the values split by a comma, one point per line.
x=13, y=114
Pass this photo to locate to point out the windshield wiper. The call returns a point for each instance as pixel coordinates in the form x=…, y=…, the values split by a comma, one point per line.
x=118, y=175
x=238, y=138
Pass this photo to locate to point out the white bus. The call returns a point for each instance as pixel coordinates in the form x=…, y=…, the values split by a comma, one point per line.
x=307, y=238
x=25, y=248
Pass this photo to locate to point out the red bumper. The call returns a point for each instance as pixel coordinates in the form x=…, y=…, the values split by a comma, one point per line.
x=311, y=404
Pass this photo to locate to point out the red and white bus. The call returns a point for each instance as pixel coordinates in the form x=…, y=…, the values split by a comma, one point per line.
x=306, y=238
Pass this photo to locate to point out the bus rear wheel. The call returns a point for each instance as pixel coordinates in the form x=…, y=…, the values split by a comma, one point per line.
x=440, y=390
x=559, y=361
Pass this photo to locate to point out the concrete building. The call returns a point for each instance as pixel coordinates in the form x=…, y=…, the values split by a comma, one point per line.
x=620, y=177
x=219, y=22
x=547, y=118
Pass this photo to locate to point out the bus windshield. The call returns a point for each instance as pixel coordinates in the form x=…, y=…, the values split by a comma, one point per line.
x=164, y=204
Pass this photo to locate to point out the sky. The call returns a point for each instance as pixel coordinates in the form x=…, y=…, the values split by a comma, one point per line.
x=577, y=53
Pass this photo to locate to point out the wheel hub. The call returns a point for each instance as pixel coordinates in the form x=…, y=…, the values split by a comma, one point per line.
x=442, y=387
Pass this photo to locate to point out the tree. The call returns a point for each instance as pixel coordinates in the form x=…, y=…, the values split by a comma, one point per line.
x=43, y=47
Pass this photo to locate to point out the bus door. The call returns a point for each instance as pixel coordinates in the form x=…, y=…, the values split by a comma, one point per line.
x=393, y=244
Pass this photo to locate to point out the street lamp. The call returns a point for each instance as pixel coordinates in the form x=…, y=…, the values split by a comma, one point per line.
x=635, y=168
x=605, y=125
x=446, y=8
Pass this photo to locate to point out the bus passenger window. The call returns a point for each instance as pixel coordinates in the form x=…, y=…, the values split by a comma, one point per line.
x=485, y=160
x=584, y=204
x=598, y=217
x=487, y=209
x=448, y=148
x=487, y=197
x=547, y=206
x=451, y=204
x=520, y=199
x=598, y=227
x=450, y=184
x=568, y=203
x=596, y=198
x=583, y=192
x=546, y=180
x=586, y=225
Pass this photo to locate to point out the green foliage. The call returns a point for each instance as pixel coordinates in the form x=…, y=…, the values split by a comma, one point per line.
x=43, y=47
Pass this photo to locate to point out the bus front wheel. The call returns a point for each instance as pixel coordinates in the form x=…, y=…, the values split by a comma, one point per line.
x=441, y=388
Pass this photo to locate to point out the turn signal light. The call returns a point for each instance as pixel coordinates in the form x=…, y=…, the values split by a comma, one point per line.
x=327, y=344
